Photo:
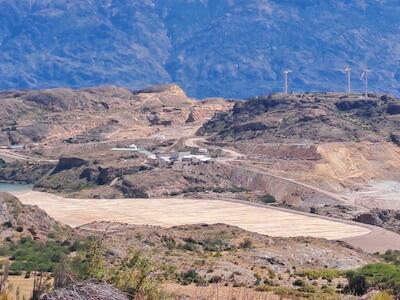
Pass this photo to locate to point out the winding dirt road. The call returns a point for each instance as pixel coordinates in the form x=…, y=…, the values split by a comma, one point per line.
x=378, y=240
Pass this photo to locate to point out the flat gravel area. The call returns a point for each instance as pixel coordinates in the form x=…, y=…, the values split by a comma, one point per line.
x=180, y=211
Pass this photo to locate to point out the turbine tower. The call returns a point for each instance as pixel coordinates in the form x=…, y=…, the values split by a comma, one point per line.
x=348, y=72
x=364, y=76
x=286, y=73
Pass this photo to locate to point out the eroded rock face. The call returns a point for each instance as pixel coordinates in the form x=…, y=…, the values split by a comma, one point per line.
x=386, y=218
x=96, y=114
x=66, y=163
x=26, y=219
x=367, y=218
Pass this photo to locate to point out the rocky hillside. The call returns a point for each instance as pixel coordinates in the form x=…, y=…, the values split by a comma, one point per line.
x=302, y=118
x=94, y=114
x=230, y=48
x=18, y=220
x=243, y=256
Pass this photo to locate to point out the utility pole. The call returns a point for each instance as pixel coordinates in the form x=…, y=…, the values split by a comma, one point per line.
x=348, y=72
x=365, y=76
x=286, y=73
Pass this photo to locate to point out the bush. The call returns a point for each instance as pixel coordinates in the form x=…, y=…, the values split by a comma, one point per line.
x=246, y=244
x=327, y=274
x=20, y=229
x=191, y=276
x=189, y=246
x=7, y=224
x=379, y=275
x=298, y=282
x=30, y=255
x=268, y=199
x=217, y=245
x=392, y=256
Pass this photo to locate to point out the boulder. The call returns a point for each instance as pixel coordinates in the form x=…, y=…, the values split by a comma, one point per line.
x=393, y=108
x=367, y=218
x=66, y=163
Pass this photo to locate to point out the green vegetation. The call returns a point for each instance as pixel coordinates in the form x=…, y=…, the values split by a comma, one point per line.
x=217, y=245
x=268, y=199
x=191, y=276
x=30, y=255
x=382, y=276
x=391, y=256
x=327, y=274
x=136, y=275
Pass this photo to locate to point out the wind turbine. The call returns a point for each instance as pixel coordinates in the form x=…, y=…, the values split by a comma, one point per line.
x=348, y=72
x=286, y=73
x=364, y=76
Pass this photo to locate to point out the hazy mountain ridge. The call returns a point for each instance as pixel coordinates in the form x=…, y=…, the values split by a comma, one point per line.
x=230, y=48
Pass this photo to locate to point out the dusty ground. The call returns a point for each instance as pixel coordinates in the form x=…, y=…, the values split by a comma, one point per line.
x=377, y=194
x=171, y=212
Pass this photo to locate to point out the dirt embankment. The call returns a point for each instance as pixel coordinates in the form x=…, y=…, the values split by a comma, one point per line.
x=286, y=191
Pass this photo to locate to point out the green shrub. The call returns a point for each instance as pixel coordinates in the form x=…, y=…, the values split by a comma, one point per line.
x=268, y=199
x=189, y=246
x=327, y=274
x=298, y=282
x=217, y=245
x=191, y=276
x=379, y=275
x=30, y=255
x=392, y=256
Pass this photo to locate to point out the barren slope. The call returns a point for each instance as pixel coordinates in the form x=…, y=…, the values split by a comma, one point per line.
x=97, y=114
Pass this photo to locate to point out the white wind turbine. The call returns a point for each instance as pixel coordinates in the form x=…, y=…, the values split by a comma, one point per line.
x=286, y=73
x=348, y=72
x=364, y=76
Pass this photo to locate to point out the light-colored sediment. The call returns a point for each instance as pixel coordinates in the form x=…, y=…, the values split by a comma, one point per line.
x=180, y=211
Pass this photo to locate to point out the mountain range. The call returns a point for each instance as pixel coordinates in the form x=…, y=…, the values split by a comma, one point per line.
x=228, y=48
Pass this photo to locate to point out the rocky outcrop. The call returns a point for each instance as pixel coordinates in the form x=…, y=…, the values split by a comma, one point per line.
x=294, y=118
x=350, y=104
x=395, y=137
x=66, y=163
x=393, y=108
x=386, y=218
x=286, y=192
x=18, y=219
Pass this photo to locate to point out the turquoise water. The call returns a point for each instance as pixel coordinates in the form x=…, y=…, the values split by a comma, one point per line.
x=14, y=187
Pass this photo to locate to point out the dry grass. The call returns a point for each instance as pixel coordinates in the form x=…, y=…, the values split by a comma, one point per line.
x=218, y=292
x=24, y=285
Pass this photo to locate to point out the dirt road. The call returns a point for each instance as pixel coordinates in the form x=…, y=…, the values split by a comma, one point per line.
x=10, y=155
x=234, y=155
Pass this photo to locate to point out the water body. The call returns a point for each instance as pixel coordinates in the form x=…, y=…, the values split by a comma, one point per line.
x=14, y=187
